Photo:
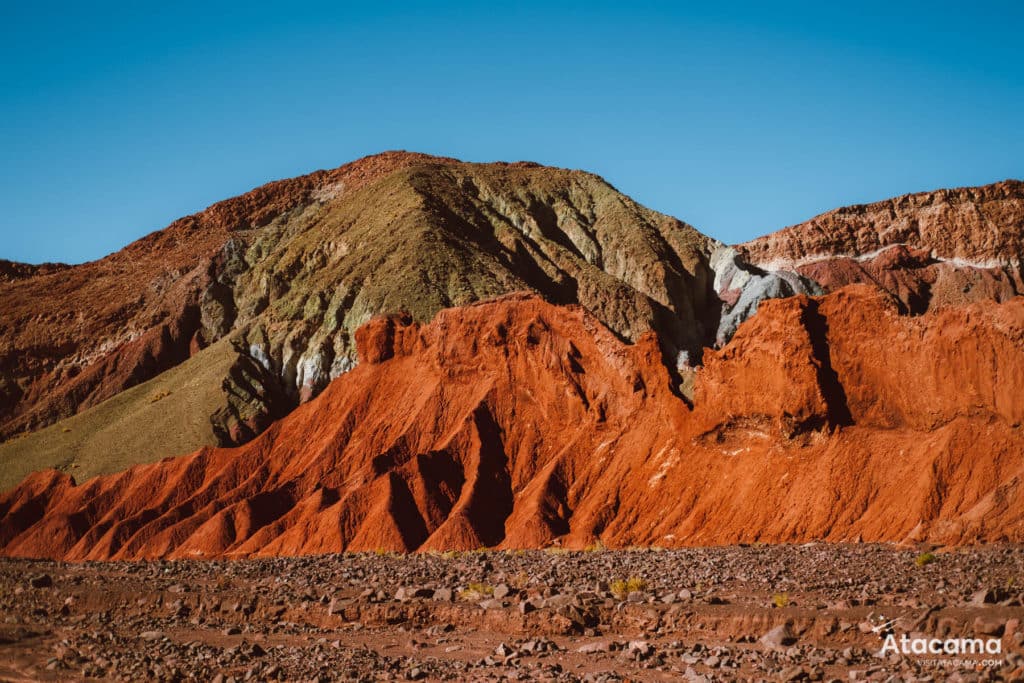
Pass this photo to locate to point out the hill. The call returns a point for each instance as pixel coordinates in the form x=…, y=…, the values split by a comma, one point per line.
x=517, y=423
x=287, y=272
x=413, y=352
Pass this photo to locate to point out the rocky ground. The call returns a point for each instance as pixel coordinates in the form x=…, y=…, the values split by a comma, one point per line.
x=739, y=613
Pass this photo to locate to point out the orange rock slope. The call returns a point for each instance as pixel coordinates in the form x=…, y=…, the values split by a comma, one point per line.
x=517, y=423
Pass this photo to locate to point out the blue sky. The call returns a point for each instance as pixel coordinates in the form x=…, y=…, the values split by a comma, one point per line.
x=739, y=118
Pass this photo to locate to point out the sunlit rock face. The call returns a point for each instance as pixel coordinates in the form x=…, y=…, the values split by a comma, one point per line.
x=211, y=331
x=742, y=286
x=929, y=251
x=516, y=423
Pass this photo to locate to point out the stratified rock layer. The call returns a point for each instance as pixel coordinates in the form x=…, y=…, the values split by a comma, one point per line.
x=929, y=250
x=517, y=423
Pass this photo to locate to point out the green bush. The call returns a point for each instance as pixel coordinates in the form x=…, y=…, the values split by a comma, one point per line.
x=924, y=558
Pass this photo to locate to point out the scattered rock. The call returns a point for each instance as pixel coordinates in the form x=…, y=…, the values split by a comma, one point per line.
x=288, y=637
x=989, y=596
x=591, y=648
x=989, y=627
x=778, y=638
x=410, y=592
x=41, y=581
x=640, y=648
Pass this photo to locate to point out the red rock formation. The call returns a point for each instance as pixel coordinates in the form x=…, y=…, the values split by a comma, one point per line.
x=978, y=224
x=516, y=423
x=929, y=250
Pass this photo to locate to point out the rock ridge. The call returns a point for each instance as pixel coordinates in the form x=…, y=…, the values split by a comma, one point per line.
x=519, y=423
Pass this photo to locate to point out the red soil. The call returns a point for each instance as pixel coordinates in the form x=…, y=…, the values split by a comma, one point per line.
x=516, y=423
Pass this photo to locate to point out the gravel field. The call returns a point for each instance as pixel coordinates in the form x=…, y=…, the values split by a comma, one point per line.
x=813, y=612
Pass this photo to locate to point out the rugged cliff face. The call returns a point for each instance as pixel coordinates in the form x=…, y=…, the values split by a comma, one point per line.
x=280, y=278
x=929, y=250
x=287, y=273
x=517, y=423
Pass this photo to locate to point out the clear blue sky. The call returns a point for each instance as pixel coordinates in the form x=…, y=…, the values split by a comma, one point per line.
x=737, y=117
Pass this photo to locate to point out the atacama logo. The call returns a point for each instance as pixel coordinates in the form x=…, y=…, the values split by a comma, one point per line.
x=938, y=646
x=907, y=645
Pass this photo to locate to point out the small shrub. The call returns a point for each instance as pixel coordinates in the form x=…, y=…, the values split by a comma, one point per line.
x=636, y=584
x=476, y=591
x=159, y=395
x=595, y=547
x=924, y=558
x=780, y=600
x=621, y=589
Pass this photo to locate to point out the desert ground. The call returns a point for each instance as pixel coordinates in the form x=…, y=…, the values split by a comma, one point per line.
x=811, y=612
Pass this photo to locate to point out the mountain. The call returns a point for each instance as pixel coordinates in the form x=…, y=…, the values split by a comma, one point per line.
x=269, y=288
x=519, y=423
x=413, y=352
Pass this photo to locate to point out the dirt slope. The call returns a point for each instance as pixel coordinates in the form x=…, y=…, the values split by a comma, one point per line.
x=162, y=417
x=516, y=423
